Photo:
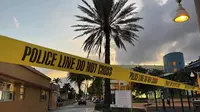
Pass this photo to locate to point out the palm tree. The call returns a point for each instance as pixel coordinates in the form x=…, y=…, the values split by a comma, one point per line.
x=78, y=79
x=105, y=21
x=97, y=85
x=57, y=81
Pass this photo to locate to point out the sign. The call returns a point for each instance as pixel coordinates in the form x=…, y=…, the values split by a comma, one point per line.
x=123, y=98
x=19, y=52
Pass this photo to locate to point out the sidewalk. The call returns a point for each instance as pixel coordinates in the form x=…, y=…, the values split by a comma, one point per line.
x=177, y=109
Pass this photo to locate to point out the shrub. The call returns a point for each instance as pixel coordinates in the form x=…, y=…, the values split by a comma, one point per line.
x=98, y=106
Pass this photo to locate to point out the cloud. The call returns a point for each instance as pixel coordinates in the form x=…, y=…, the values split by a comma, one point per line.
x=16, y=22
x=161, y=35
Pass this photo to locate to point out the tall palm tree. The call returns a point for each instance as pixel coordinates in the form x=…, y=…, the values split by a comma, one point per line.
x=105, y=21
x=78, y=79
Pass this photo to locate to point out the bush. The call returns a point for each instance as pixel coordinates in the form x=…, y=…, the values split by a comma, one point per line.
x=98, y=106
x=102, y=107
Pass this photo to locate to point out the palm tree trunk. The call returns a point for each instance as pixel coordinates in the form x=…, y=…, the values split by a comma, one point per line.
x=107, y=94
x=79, y=90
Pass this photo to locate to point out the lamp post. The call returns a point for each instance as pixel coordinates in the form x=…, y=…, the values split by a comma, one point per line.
x=193, y=83
x=181, y=14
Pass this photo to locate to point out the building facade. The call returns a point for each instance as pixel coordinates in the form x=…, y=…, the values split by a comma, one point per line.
x=173, y=62
x=23, y=89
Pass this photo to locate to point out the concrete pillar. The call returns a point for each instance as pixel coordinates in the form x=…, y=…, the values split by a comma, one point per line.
x=197, y=5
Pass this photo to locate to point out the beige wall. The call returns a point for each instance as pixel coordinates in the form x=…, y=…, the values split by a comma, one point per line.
x=24, y=74
x=31, y=102
x=197, y=4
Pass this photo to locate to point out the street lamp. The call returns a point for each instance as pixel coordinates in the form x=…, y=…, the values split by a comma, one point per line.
x=192, y=75
x=181, y=14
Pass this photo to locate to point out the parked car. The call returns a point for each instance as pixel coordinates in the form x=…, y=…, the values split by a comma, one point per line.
x=82, y=101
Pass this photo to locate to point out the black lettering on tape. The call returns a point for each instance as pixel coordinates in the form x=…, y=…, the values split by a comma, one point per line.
x=80, y=65
x=27, y=52
x=105, y=70
x=91, y=67
x=154, y=81
x=38, y=58
x=133, y=76
x=60, y=61
x=145, y=78
x=34, y=55
x=49, y=55
x=66, y=62
x=149, y=79
x=53, y=59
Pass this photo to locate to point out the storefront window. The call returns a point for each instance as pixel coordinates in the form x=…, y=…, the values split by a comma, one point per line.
x=6, y=91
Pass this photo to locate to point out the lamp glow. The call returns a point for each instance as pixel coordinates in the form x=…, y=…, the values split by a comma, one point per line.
x=181, y=15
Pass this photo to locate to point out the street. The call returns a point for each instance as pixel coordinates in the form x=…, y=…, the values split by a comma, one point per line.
x=76, y=108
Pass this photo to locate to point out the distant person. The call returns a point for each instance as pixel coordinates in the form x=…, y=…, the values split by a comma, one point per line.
x=168, y=101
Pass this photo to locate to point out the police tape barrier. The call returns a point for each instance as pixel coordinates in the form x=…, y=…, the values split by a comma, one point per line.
x=19, y=52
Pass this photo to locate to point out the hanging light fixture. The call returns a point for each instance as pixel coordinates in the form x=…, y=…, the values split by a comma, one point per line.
x=181, y=14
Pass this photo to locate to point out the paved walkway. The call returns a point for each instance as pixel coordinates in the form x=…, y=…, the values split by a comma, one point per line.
x=76, y=108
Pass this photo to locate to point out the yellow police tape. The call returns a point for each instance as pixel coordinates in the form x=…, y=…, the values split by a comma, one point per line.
x=19, y=52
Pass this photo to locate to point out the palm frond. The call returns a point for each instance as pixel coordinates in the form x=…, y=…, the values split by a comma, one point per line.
x=125, y=12
x=86, y=11
x=132, y=27
x=87, y=32
x=82, y=25
x=117, y=39
x=90, y=43
x=117, y=8
x=88, y=5
x=98, y=43
x=129, y=36
x=98, y=8
x=82, y=29
x=88, y=20
x=129, y=20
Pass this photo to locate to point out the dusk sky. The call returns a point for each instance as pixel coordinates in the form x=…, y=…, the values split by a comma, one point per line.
x=48, y=23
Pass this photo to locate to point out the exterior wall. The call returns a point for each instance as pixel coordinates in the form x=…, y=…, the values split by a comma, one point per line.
x=22, y=73
x=197, y=4
x=53, y=100
x=170, y=59
x=31, y=102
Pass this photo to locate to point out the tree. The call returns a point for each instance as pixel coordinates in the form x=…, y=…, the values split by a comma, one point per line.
x=144, y=88
x=105, y=21
x=78, y=80
x=72, y=93
x=96, y=87
x=57, y=81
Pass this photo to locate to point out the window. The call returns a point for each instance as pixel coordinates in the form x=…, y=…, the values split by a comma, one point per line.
x=22, y=92
x=174, y=63
x=43, y=94
x=168, y=63
x=175, y=69
x=6, y=91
